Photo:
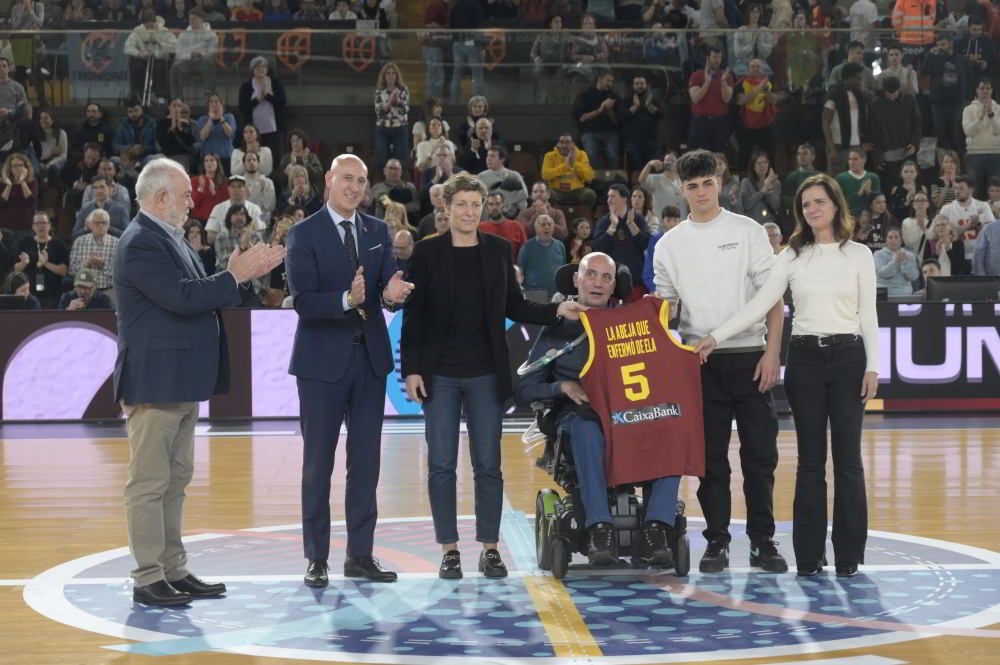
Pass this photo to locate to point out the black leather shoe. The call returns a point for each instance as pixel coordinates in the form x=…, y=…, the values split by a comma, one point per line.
x=491, y=565
x=809, y=569
x=451, y=566
x=160, y=593
x=198, y=588
x=764, y=554
x=602, y=547
x=367, y=567
x=846, y=569
x=716, y=557
x=656, y=544
x=317, y=574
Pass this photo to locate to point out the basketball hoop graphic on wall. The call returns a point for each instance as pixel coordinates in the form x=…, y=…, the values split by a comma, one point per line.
x=358, y=51
x=294, y=49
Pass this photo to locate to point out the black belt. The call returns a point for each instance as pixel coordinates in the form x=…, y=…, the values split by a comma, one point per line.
x=359, y=338
x=818, y=341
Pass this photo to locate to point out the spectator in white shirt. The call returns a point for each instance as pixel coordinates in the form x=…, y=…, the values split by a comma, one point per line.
x=238, y=196
x=260, y=189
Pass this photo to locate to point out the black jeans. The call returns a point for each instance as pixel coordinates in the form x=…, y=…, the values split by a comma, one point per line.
x=728, y=389
x=823, y=385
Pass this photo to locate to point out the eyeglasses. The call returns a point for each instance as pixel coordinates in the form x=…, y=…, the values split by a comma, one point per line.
x=593, y=276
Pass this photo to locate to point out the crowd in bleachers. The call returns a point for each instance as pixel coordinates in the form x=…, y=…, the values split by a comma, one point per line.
x=909, y=128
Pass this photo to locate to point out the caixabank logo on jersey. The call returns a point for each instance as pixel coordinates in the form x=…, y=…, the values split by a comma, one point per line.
x=646, y=414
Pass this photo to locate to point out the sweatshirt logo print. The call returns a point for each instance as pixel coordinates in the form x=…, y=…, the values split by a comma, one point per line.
x=729, y=245
x=645, y=414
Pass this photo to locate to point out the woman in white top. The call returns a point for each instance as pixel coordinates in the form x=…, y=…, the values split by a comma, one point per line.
x=831, y=370
x=437, y=135
x=251, y=143
x=917, y=226
x=55, y=146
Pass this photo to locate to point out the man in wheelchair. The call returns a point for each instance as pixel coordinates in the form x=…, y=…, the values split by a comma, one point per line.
x=595, y=280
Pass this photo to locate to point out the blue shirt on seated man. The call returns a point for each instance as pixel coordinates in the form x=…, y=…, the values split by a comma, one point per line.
x=560, y=381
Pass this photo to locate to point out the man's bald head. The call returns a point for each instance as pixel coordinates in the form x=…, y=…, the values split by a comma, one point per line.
x=345, y=158
x=595, y=279
x=402, y=244
x=346, y=182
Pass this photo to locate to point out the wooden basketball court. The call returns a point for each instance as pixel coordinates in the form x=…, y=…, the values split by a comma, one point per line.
x=932, y=482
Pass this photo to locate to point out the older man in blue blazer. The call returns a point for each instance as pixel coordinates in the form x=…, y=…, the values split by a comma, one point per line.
x=172, y=354
x=341, y=273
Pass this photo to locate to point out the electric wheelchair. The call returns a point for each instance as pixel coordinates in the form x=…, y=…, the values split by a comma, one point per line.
x=559, y=520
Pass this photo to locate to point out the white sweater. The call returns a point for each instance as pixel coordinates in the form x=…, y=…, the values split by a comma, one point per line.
x=982, y=134
x=714, y=268
x=833, y=290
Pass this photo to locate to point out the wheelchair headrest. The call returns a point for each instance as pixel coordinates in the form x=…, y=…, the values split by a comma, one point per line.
x=623, y=281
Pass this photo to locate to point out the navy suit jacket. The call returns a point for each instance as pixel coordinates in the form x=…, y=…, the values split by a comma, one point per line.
x=319, y=273
x=171, y=340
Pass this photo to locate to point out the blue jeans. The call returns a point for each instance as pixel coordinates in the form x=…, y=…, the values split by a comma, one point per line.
x=606, y=143
x=391, y=142
x=468, y=56
x=480, y=399
x=434, y=67
x=587, y=441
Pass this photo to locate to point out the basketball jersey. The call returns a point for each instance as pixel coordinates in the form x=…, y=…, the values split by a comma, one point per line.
x=646, y=388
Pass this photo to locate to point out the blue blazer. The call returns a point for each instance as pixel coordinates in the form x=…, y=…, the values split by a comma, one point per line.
x=171, y=340
x=319, y=273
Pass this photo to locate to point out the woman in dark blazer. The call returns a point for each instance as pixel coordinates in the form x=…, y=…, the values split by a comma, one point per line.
x=262, y=104
x=455, y=359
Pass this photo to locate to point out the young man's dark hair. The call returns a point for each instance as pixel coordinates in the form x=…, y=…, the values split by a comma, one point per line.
x=994, y=181
x=931, y=262
x=850, y=70
x=501, y=153
x=808, y=146
x=671, y=211
x=619, y=189
x=967, y=179
x=696, y=164
x=890, y=84
x=855, y=44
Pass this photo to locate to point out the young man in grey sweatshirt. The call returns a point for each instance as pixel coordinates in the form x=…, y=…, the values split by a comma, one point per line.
x=713, y=263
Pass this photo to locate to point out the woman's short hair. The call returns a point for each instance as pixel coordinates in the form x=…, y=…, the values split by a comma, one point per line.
x=462, y=182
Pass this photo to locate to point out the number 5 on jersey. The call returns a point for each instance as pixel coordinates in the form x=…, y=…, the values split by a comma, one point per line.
x=636, y=385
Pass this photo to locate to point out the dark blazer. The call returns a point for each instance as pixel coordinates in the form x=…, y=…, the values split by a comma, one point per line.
x=319, y=274
x=429, y=309
x=171, y=340
x=247, y=102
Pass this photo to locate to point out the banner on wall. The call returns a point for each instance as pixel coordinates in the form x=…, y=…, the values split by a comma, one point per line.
x=943, y=354
x=98, y=66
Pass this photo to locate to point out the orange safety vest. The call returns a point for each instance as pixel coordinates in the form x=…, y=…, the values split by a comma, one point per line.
x=914, y=21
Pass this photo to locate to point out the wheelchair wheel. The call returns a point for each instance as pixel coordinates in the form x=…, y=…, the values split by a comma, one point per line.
x=545, y=502
x=682, y=556
x=560, y=558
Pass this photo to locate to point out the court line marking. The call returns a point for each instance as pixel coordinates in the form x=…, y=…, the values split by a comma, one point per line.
x=561, y=618
x=850, y=660
x=691, y=592
x=577, y=572
x=45, y=595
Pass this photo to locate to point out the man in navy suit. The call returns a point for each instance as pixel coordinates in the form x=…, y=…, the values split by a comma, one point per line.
x=172, y=354
x=341, y=273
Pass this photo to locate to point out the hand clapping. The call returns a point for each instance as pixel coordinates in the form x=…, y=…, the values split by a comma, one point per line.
x=257, y=261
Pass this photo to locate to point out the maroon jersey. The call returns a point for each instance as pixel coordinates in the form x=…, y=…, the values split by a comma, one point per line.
x=646, y=387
